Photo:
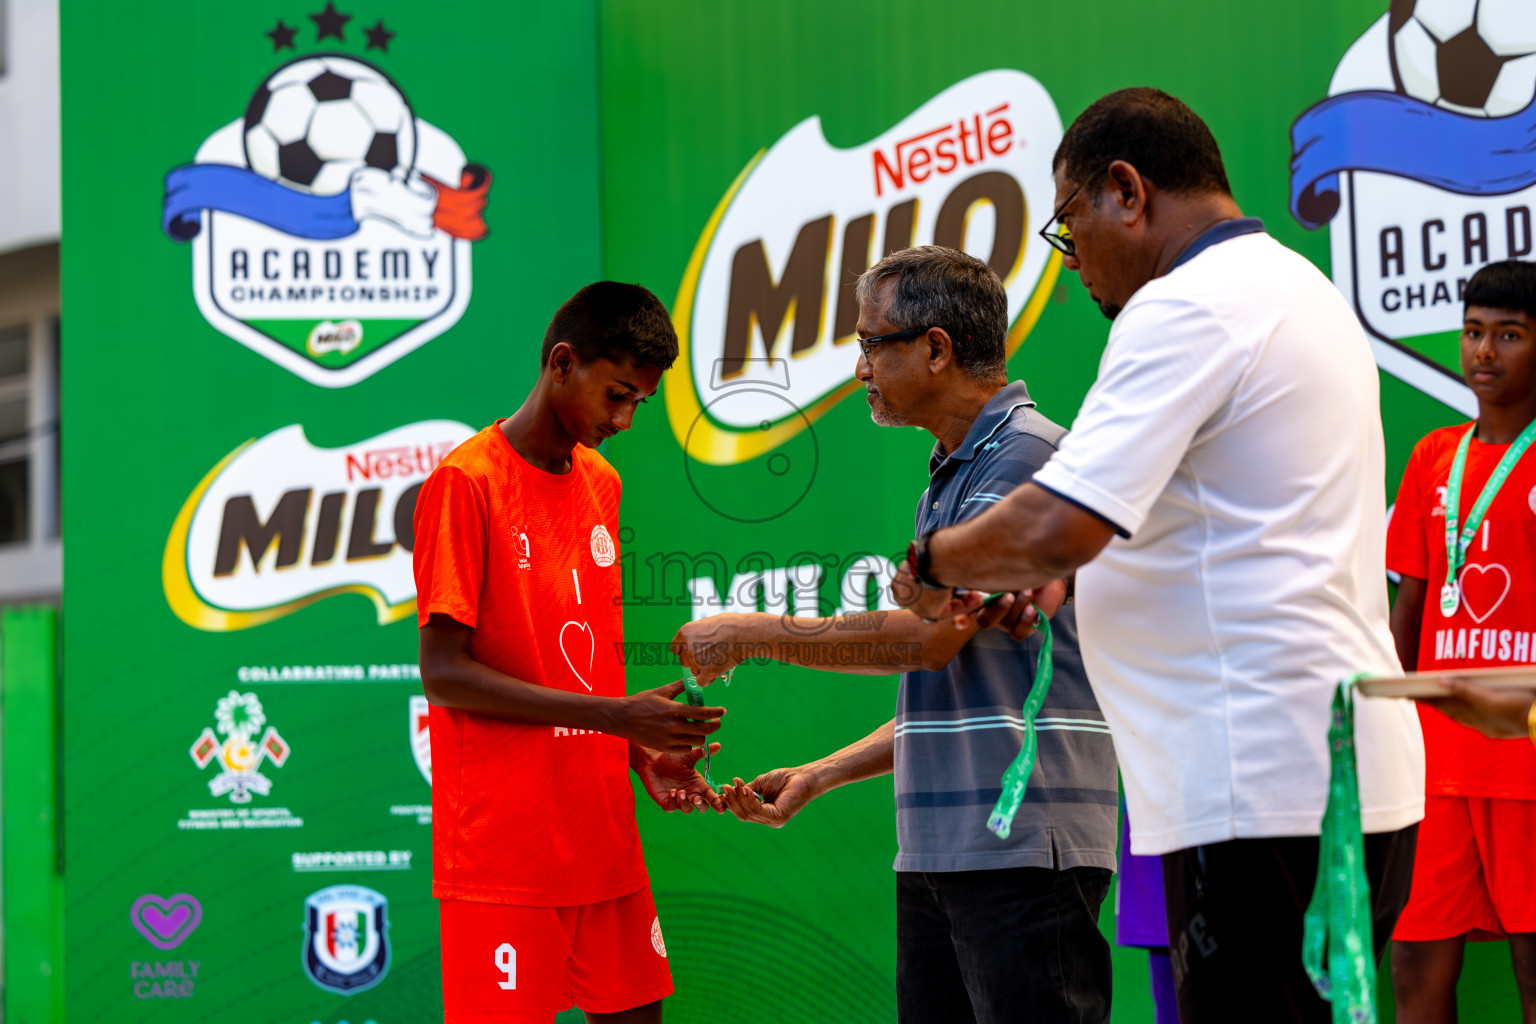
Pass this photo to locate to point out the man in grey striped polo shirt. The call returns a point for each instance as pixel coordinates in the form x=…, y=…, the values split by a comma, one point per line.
x=987, y=930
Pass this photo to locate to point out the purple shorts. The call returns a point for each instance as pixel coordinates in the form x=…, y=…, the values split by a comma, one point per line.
x=1140, y=917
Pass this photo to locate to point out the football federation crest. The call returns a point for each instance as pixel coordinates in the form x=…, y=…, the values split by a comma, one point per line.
x=239, y=719
x=346, y=938
x=1419, y=163
x=420, y=714
x=330, y=226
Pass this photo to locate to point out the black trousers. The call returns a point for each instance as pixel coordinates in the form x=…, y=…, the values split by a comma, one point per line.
x=1235, y=922
x=1015, y=944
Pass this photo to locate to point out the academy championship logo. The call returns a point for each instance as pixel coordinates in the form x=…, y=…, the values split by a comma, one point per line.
x=1421, y=165
x=346, y=938
x=330, y=225
x=766, y=311
x=279, y=524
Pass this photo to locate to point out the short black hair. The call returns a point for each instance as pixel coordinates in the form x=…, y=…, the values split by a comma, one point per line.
x=940, y=287
x=616, y=321
x=1509, y=284
x=1154, y=132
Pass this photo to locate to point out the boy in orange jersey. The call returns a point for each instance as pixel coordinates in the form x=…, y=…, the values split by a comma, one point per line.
x=545, y=900
x=1463, y=538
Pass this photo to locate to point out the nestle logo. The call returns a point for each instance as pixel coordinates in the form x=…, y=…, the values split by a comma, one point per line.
x=387, y=463
x=942, y=150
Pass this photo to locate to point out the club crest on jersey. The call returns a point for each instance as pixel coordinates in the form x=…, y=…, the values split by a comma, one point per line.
x=330, y=226
x=239, y=718
x=1420, y=165
x=656, y=941
x=420, y=715
x=346, y=938
x=602, y=546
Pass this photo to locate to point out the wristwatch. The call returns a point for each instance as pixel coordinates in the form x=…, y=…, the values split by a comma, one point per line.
x=919, y=560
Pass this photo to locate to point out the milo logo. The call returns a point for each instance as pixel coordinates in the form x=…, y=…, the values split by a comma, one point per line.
x=766, y=314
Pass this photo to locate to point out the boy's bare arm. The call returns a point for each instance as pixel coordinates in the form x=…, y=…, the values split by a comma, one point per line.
x=454, y=679
x=1408, y=620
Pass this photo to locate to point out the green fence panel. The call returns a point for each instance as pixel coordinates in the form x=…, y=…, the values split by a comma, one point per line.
x=33, y=901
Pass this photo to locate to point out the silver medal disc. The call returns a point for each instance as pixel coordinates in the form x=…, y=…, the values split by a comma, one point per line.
x=1450, y=599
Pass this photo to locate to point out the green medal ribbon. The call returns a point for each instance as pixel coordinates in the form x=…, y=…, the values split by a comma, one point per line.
x=1337, y=925
x=695, y=695
x=1000, y=823
x=1458, y=541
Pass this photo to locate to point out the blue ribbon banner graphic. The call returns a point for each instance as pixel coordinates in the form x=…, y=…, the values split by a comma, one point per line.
x=1394, y=134
x=196, y=187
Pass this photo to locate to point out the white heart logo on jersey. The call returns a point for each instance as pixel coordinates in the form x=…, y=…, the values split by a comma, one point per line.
x=1481, y=591
x=591, y=650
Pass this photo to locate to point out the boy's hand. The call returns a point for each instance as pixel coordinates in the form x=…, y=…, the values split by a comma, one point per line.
x=710, y=647
x=1012, y=614
x=674, y=784
x=653, y=719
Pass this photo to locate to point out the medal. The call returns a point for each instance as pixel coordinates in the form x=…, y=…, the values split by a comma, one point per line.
x=1457, y=541
x=1450, y=598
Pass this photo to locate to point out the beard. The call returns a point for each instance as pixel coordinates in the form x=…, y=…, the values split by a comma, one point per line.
x=880, y=413
x=1109, y=309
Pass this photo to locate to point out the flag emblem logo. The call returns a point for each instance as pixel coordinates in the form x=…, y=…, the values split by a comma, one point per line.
x=239, y=719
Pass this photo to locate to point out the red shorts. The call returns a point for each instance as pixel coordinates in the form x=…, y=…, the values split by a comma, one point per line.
x=516, y=964
x=1473, y=869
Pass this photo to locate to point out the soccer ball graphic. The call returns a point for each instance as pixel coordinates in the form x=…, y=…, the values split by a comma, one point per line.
x=318, y=119
x=1475, y=57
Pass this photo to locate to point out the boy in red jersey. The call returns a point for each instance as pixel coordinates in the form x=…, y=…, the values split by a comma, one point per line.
x=545, y=901
x=1466, y=600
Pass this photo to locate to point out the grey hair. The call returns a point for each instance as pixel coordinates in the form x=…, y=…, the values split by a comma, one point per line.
x=940, y=287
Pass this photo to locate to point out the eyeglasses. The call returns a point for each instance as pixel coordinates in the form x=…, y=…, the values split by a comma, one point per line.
x=1061, y=238
x=906, y=335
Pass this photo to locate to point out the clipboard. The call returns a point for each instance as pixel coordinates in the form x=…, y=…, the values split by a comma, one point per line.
x=1431, y=684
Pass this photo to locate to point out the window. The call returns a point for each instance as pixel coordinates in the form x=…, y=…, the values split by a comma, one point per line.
x=29, y=449
x=15, y=446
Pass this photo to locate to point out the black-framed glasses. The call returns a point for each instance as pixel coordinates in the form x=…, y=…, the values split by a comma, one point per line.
x=1061, y=238
x=906, y=335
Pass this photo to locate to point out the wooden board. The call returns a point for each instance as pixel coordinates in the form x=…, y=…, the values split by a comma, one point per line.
x=1431, y=684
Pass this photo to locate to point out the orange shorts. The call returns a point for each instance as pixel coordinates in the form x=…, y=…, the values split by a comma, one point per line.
x=1473, y=870
x=526, y=964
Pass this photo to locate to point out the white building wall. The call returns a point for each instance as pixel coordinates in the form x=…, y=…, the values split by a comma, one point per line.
x=29, y=124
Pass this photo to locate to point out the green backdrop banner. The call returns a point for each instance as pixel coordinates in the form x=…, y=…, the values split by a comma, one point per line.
x=286, y=311
x=312, y=250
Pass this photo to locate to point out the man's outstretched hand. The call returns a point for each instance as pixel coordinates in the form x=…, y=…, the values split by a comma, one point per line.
x=784, y=791
x=1500, y=714
x=673, y=781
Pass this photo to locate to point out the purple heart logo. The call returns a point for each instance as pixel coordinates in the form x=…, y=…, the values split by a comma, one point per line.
x=166, y=923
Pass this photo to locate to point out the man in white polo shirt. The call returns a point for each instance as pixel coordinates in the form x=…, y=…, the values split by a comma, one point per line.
x=1221, y=496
